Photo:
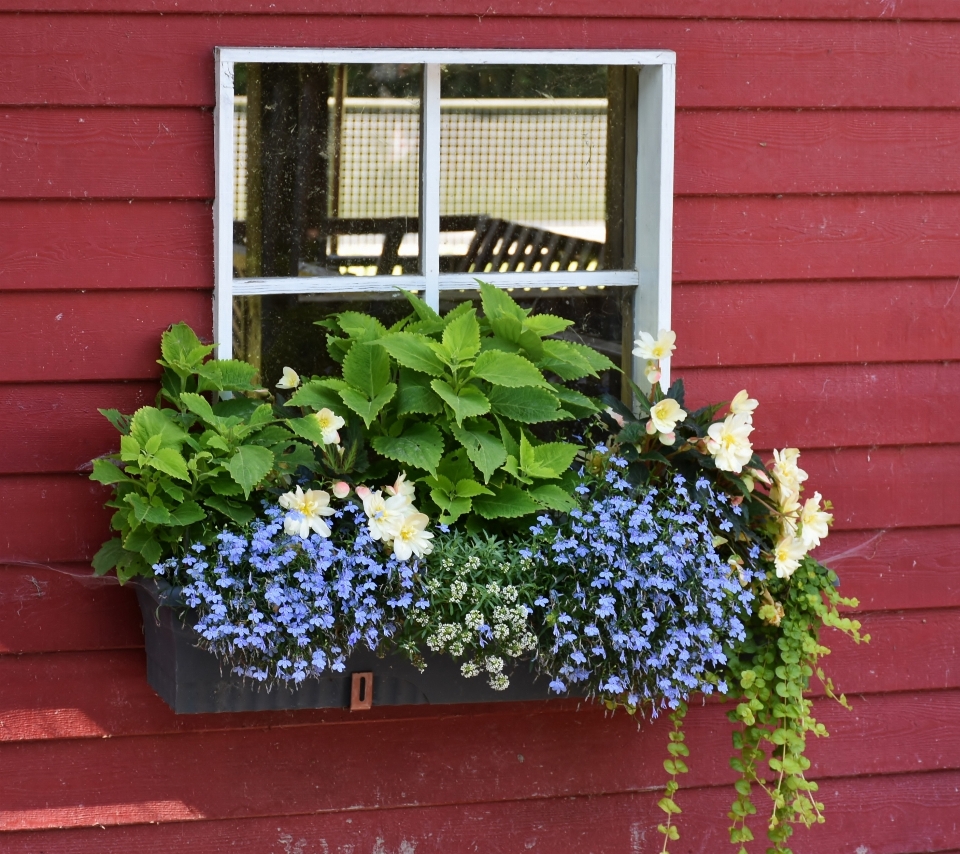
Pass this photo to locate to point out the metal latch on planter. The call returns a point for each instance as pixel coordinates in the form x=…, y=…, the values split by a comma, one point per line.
x=361, y=692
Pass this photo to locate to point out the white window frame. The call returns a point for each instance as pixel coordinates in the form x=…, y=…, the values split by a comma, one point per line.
x=652, y=272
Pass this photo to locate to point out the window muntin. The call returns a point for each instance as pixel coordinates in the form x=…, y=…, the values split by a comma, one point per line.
x=637, y=207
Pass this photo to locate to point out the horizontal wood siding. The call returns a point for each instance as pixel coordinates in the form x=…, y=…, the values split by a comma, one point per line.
x=817, y=264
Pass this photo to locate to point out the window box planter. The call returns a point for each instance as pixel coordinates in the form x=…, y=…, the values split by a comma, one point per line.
x=191, y=680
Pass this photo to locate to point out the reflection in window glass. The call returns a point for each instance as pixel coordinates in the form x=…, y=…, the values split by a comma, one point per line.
x=326, y=175
x=274, y=331
x=532, y=168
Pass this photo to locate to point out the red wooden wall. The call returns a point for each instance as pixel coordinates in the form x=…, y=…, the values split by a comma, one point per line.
x=817, y=263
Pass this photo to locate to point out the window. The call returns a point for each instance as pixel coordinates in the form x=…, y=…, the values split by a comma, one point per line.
x=343, y=175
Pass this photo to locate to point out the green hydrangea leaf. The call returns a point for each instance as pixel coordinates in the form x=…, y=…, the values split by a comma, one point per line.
x=553, y=497
x=367, y=368
x=226, y=375
x=507, y=502
x=241, y=514
x=526, y=405
x=149, y=421
x=107, y=556
x=461, y=338
x=319, y=394
x=485, y=451
x=250, y=465
x=507, y=369
x=547, y=461
x=420, y=446
x=413, y=351
x=106, y=472
x=546, y=324
x=415, y=395
x=170, y=461
x=467, y=403
x=367, y=409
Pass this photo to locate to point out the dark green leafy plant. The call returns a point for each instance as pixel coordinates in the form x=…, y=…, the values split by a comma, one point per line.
x=187, y=466
x=455, y=399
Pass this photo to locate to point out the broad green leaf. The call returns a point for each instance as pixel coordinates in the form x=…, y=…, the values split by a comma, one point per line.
x=295, y=456
x=174, y=491
x=107, y=556
x=462, y=337
x=415, y=394
x=250, y=465
x=151, y=552
x=546, y=324
x=457, y=313
x=574, y=402
x=467, y=488
x=413, y=351
x=170, y=461
x=507, y=369
x=486, y=452
x=199, y=405
x=137, y=539
x=106, y=472
x=532, y=345
x=508, y=502
x=507, y=327
x=263, y=414
x=552, y=496
x=223, y=484
x=498, y=303
x=129, y=449
x=565, y=360
x=117, y=419
x=149, y=421
x=154, y=513
x=420, y=445
x=455, y=467
x=338, y=347
x=510, y=444
x=180, y=346
x=210, y=439
x=453, y=508
x=526, y=405
x=368, y=409
x=152, y=445
x=597, y=361
x=367, y=369
x=318, y=394
x=423, y=311
x=236, y=512
x=187, y=513
x=467, y=403
x=361, y=327
x=226, y=375
x=235, y=407
x=547, y=461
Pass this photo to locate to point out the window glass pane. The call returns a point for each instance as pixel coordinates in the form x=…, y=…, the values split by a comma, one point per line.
x=326, y=175
x=532, y=168
x=275, y=331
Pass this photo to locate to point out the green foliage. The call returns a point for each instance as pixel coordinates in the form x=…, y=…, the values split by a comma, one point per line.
x=459, y=391
x=187, y=466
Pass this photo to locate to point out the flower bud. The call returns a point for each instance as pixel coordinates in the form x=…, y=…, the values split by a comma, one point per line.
x=363, y=492
x=651, y=429
x=668, y=438
x=341, y=489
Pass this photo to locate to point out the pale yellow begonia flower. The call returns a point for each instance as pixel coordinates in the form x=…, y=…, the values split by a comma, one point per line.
x=787, y=556
x=728, y=442
x=660, y=348
x=814, y=522
x=329, y=423
x=665, y=415
x=743, y=404
x=402, y=487
x=384, y=515
x=290, y=379
x=787, y=474
x=308, y=509
x=412, y=538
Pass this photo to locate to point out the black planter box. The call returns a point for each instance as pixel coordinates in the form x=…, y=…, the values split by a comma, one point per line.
x=191, y=681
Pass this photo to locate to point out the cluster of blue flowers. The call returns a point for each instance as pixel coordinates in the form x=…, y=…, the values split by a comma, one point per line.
x=280, y=608
x=641, y=606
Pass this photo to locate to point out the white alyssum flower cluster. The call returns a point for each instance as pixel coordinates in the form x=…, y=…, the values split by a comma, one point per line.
x=802, y=526
x=495, y=615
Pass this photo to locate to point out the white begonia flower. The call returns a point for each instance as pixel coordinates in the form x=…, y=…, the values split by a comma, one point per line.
x=814, y=522
x=787, y=556
x=413, y=538
x=787, y=474
x=329, y=423
x=402, y=487
x=384, y=515
x=665, y=415
x=660, y=348
x=743, y=404
x=729, y=442
x=290, y=379
x=307, y=510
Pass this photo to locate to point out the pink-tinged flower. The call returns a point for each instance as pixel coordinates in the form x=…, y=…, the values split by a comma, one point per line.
x=363, y=492
x=660, y=348
x=306, y=512
x=728, y=442
x=412, y=538
x=814, y=522
x=616, y=416
x=341, y=489
x=652, y=373
x=668, y=438
x=402, y=487
x=787, y=556
x=290, y=379
x=743, y=404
